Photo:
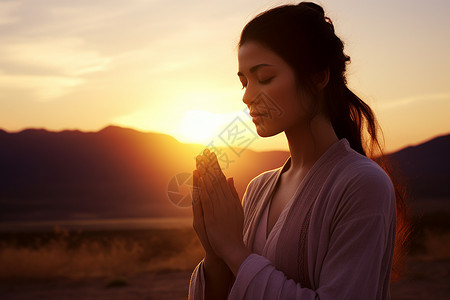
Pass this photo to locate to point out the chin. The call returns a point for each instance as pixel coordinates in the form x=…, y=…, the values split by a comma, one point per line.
x=266, y=132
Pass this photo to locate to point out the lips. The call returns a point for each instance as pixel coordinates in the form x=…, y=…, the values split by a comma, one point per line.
x=256, y=114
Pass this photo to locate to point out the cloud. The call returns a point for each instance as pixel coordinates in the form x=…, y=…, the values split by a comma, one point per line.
x=44, y=88
x=69, y=42
x=7, y=10
x=65, y=42
x=63, y=56
x=48, y=67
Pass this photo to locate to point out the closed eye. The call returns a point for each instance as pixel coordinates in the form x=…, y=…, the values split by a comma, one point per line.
x=266, y=81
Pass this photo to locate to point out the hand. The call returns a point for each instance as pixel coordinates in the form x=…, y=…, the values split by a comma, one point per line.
x=218, y=275
x=198, y=222
x=223, y=214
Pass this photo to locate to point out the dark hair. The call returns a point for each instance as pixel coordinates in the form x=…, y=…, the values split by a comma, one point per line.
x=305, y=38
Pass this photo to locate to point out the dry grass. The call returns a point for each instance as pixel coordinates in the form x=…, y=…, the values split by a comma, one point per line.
x=116, y=254
x=437, y=245
x=431, y=236
x=63, y=254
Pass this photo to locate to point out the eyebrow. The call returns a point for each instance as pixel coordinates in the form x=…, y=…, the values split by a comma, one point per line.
x=254, y=68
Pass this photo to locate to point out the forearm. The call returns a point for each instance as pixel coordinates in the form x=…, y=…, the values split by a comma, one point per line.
x=218, y=278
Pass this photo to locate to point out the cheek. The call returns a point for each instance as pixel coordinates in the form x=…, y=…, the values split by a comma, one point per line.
x=287, y=99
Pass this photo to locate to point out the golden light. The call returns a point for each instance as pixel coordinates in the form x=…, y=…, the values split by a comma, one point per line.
x=199, y=126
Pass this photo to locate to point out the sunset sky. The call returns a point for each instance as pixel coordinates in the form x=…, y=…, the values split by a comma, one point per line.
x=170, y=66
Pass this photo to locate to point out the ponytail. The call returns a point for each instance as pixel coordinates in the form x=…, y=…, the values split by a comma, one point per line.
x=349, y=116
x=305, y=38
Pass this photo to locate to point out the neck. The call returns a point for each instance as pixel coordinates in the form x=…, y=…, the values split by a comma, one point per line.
x=308, y=143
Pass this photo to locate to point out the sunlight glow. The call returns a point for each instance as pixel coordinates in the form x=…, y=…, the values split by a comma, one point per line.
x=174, y=73
x=198, y=126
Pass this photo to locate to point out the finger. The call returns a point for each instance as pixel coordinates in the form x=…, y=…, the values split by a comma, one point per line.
x=230, y=182
x=195, y=187
x=199, y=161
x=205, y=158
x=196, y=205
x=205, y=200
x=199, y=223
x=210, y=182
x=204, y=167
x=206, y=171
x=208, y=158
x=222, y=180
x=202, y=170
x=214, y=187
x=214, y=163
x=205, y=163
x=197, y=212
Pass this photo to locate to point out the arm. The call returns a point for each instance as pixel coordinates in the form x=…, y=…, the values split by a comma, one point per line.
x=351, y=270
x=218, y=278
x=210, y=280
x=358, y=252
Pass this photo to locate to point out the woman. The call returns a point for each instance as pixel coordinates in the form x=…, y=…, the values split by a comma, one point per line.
x=323, y=225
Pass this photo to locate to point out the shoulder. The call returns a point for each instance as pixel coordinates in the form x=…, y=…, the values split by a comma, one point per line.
x=262, y=178
x=362, y=187
x=362, y=172
x=258, y=185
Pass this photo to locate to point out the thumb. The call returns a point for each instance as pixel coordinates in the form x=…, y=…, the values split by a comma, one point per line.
x=230, y=182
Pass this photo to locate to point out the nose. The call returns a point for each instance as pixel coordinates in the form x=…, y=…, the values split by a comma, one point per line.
x=249, y=95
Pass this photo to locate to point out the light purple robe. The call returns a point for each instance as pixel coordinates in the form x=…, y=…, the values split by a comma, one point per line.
x=333, y=240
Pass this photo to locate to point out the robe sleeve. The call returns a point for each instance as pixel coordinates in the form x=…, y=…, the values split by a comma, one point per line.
x=359, y=251
x=197, y=283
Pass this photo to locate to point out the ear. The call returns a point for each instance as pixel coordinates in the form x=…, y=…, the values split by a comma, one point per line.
x=321, y=79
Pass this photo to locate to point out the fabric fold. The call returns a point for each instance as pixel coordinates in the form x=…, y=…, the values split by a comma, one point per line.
x=334, y=239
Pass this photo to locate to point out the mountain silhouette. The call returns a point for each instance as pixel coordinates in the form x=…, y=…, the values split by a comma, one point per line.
x=425, y=168
x=124, y=173
x=113, y=173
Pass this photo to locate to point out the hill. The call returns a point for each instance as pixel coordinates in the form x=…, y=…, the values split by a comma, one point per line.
x=425, y=168
x=123, y=173
x=114, y=173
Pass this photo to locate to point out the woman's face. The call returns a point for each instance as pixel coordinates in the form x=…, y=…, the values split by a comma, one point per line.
x=271, y=93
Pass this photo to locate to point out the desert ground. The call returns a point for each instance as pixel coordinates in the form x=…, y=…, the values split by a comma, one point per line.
x=157, y=263
x=426, y=280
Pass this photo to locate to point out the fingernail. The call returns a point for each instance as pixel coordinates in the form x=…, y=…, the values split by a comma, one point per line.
x=206, y=151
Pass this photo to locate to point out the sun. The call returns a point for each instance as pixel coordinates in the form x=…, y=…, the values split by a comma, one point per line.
x=199, y=126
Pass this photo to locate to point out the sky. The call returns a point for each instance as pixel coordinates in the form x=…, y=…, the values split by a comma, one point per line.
x=170, y=66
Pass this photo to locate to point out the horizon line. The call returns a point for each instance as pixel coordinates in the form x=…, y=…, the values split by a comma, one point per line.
x=187, y=143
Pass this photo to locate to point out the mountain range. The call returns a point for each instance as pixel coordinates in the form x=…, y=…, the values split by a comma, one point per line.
x=124, y=173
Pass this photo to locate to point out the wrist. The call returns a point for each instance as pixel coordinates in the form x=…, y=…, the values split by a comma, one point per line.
x=214, y=261
x=236, y=258
x=215, y=266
